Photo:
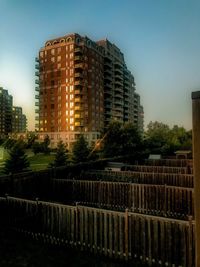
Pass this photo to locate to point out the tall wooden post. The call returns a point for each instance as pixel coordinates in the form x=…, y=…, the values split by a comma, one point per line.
x=196, y=162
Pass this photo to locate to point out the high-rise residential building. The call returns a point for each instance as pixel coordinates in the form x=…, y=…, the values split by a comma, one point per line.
x=119, y=85
x=81, y=86
x=5, y=112
x=19, y=121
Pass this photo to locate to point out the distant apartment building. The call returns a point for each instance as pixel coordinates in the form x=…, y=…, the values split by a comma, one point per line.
x=19, y=121
x=81, y=86
x=5, y=112
x=12, y=119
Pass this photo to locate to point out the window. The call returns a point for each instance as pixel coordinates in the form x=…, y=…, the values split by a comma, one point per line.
x=59, y=58
x=71, y=47
x=52, y=52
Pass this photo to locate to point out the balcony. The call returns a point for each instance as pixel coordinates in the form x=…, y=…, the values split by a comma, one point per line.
x=108, y=71
x=118, y=82
x=77, y=99
x=108, y=77
x=118, y=96
x=78, y=82
x=77, y=58
x=37, y=73
x=37, y=66
x=119, y=90
x=37, y=60
x=78, y=50
x=108, y=92
x=108, y=85
x=37, y=89
x=78, y=66
x=36, y=110
x=78, y=75
x=37, y=81
x=37, y=118
x=118, y=102
x=37, y=104
x=118, y=76
x=77, y=123
x=119, y=108
x=118, y=70
x=37, y=97
x=108, y=63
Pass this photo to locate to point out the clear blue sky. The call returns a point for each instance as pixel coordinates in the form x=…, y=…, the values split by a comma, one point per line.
x=160, y=40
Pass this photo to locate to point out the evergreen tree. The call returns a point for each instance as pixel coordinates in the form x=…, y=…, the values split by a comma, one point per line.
x=17, y=161
x=112, y=140
x=46, y=144
x=80, y=150
x=61, y=155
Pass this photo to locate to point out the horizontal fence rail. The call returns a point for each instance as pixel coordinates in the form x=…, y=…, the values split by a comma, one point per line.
x=169, y=162
x=157, y=169
x=176, y=202
x=173, y=179
x=123, y=235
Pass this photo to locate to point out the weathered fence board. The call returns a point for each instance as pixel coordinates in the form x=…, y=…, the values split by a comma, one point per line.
x=124, y=235
x=176, y=202
x=173, y=179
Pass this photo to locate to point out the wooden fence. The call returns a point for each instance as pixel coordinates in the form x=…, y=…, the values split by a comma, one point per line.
x=169, y=162
x=123, y=235
x=173, y=179
x=161, y=200
x=157, y=169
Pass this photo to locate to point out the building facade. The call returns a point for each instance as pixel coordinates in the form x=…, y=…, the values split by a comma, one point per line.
x=12, y=119
x=19, y=121
x=6, y=101
x=81, y=86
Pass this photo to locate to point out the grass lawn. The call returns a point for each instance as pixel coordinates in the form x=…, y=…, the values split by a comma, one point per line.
x=40, y=161
x=37, y=162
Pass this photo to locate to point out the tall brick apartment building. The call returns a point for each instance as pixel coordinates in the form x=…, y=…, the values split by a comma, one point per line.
x=82, y=85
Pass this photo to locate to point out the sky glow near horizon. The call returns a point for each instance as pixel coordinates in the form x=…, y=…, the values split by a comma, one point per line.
x=159, y=39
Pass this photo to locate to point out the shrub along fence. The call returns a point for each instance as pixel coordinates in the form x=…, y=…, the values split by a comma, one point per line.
x=123, y=235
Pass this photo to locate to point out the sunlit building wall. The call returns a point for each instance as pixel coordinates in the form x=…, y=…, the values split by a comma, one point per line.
x=81, y=86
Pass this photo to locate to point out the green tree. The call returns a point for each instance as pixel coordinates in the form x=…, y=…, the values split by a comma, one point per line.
x=9, y=143
x=131, y=140
x=45, y=144
x=162, y=139
x=17, y=160
x=31, y=137
x=157, y=137
x=80, y=150
x=112, y=140
x=61, y=157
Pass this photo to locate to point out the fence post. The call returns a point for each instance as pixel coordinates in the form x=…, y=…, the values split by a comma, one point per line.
x=190, y=241
x=196, y=160
x=126, y=233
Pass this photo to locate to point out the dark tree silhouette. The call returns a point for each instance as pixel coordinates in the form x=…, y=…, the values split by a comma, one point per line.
x=17, y=161
x=61, y=158
x=80, y=150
